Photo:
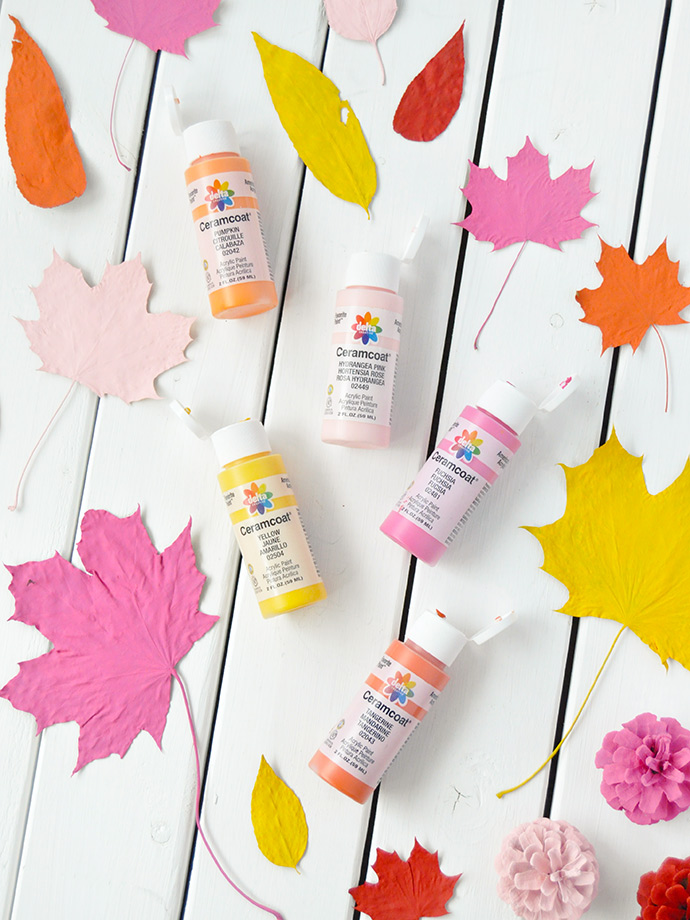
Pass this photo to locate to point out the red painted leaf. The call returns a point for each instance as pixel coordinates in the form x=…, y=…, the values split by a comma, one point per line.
x=163, y=25
x=405, y=890
x=432, y=98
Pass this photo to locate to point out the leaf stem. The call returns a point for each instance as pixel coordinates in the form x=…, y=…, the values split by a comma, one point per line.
x=112, y=107
x=380, y=60
x=500, y=795
x=269, y=910
x=663, y=348
x=476, y=341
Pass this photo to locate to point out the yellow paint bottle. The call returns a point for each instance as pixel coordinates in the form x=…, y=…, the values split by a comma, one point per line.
x=266, y=520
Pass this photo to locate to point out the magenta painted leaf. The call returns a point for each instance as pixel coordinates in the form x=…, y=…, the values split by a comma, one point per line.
x=104, y=336
x=528, y=204
x=163, y=25
x=117, y=633
x=362, y=20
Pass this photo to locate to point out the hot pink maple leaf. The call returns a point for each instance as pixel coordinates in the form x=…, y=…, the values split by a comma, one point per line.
x=104, y=336
x=528, y=204
x=117, y=633
x=163, y=25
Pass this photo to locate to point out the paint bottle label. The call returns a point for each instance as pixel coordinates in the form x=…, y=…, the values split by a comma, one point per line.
x=457, y=475
x=363, y=365
x=389, y=707
x=228, y=223
x=272, y=540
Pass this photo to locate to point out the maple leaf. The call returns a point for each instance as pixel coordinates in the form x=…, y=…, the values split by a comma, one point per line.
x=406, y=890
x=528, y=204
x=104, y=336
x=163, y=25
x=117, y=633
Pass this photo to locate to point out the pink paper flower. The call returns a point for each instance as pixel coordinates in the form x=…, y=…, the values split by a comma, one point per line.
x=548, y=871
x=647, y=769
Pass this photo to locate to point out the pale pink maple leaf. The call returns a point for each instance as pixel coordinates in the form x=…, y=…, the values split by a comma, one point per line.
x=104, y=336
x=117, y=633
x=528, y=204
x=163, y=25
x=362, y=20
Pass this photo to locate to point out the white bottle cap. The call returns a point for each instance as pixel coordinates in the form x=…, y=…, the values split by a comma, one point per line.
x=432, y=632
x=494, y=628
x=243, y=439
x=185, y=416
x=373, y=269
x=207, y=137
x=509, y=405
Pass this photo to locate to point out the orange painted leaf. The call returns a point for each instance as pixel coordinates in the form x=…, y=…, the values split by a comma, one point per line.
x=406, y=890
x=44, y=156
x=633, y=297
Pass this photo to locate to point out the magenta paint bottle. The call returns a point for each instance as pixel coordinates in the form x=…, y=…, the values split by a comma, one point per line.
x=480, y=443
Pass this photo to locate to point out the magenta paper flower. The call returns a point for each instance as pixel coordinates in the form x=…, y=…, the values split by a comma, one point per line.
x=548, y=871
x=647, y=769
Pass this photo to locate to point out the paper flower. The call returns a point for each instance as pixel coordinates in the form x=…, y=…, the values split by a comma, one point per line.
x=548, y=871
x=647, y=769
x=663, y=895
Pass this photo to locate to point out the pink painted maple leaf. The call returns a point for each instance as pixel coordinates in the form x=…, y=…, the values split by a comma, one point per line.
x=163, y=25
x=528, y=204
x=117, y=633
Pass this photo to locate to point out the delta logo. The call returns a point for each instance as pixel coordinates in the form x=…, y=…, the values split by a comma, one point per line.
x=219, y=195
x=366, y=328
x=399, y=688
x=257, y=499
x=466, y=445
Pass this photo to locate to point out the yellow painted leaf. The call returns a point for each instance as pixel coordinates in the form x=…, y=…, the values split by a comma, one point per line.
x=278, y=818
x=309, y=107
x=623, y=553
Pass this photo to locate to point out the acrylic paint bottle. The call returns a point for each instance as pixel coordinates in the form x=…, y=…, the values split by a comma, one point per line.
x=266, y=520
x=396, y=696
x=226, y=215
x=479, y=444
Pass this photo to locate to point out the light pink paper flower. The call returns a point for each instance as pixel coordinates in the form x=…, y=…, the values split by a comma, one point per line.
x=548, y=871
x=647, y=769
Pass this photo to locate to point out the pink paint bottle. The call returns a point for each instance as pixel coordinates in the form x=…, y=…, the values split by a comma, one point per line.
x=458, y=474
x=396, y=696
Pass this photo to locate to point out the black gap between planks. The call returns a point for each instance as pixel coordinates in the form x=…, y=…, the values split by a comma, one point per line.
x=443, y=373
x=606, y=418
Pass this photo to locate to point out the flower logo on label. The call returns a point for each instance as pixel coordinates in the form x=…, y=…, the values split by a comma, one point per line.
x=399, y=688
x=257, y=499
x=466, y=445
x=219, y=195
x=366, y=328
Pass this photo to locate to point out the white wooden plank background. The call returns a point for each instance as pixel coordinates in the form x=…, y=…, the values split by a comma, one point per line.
x=118, y=839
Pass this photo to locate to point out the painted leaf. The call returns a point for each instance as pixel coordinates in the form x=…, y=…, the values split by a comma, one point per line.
x=118, y=630
x=621, y=552
x=44, y=156
x=432, y=98
x=104, y=336
x=633, y=297
x=278, y=818
x=528, y=204
x=163, y=25
x=406, y=890
x=363, y=20
x=309, y=107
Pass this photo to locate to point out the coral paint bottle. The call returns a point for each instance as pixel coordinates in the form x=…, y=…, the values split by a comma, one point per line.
x=226, y=215
x=266, y=520
x=399, y=692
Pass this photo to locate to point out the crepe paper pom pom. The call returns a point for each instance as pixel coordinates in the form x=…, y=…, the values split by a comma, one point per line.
x=548, y=871
x=663, y=895
x=646, y=769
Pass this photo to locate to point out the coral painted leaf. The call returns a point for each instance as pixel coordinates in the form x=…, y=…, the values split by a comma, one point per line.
x=104, y=336
x=309, y=107
x=432, y=98
x=363, y=20
x=118, y=630
x=40, y=142
x=163, y=25
x=623, y=553
x=528, y=204
x=280, y=826
x=406, y=890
